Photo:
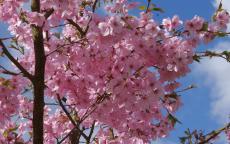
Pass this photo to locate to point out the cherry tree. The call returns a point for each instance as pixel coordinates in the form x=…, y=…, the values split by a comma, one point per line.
x=79, y=76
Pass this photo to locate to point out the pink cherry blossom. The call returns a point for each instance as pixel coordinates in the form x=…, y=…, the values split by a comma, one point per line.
x=195, y=24
x=172, y=24
x=222, y=16
x=36, y=18
x=118, y=72
x=105, y=29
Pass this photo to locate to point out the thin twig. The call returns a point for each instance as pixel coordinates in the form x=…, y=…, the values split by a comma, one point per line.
x=6, y=71
x=6, y=38
x=82, y=33
x=70, y=118
x=90, y=133
x=61, y=46
x=187, y=88
x=65, y=137
x=214, y=134
x=15, y=62
x=211, y=54
x=94, y=6
x=93, y=10
x=55, y=104
x=49, y=13
x=61, y=25
x=148, y=5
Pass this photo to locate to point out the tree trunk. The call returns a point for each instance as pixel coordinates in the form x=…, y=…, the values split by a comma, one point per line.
x=38, y=82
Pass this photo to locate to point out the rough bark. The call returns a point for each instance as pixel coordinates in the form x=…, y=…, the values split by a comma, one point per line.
x=38, y=82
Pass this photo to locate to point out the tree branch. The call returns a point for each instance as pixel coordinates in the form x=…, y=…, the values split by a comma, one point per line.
x=6, y=71
x=94, y=6
x=63, y=45
x=225, y=55
x=148, y=5
x=214, y=134
x=65, y=137
x=66, y=111
x=6, y=38
x=49, y=13
x=91, y=133
x=82, y=33
x=15, y=62
x=39, y=78
x=70, y=118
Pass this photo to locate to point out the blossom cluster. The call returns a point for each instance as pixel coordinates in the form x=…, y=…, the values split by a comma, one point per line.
x=8, y=97
x=10, y=105
x=123, y=69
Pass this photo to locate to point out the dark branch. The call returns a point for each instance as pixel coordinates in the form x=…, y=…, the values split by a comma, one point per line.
x=49, y=13
x=225, y=55
x=8, y=72
x=65, y=137
x=70, y=118
x=82, y=33
x=91, y=132
x=94, y=6
x=62, y=46
x=6, y=38
x=214, y=134
x=148, y=5
x=15, y=62
x=93, y=10
x=66, y=111
x=39, y=78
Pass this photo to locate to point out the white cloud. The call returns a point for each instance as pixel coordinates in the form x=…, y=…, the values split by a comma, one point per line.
x=216, y=72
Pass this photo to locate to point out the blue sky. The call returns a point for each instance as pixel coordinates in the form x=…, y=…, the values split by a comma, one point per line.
x=206, y=107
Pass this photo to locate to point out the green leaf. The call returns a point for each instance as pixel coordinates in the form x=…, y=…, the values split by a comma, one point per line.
x=219, y=9
x=196, y=58
x=227, y=55
x=6, y=132
x=111, y=134
x=158, y=9
x=172, y=95
x=5, y=83
x=214, y=17
x=187, y=132
x=205, y=27
x=221, y=34
x=220, y=6
x=142, y=7
x=173, y=119
x=12, y=129
x=183, y=140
